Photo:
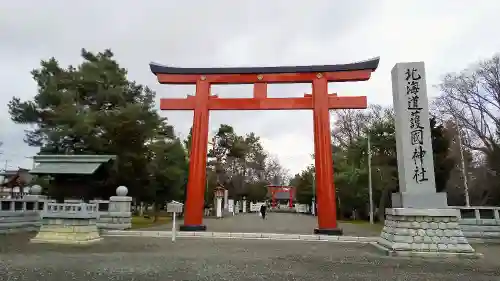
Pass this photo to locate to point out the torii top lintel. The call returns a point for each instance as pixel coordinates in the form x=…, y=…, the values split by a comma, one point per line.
x=358, y=71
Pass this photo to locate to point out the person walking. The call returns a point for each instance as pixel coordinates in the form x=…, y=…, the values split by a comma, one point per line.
x=263, y=209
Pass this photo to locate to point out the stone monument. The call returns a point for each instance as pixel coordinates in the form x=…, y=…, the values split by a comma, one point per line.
x=420, y=222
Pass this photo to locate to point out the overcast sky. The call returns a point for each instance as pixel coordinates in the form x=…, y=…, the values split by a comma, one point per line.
x=447, y=35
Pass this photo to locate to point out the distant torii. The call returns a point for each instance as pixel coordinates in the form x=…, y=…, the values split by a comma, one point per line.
x=281, y=188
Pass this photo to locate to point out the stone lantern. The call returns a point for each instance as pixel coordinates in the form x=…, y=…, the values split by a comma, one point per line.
x=219, y=194
x=244, y=204
x=313, y=206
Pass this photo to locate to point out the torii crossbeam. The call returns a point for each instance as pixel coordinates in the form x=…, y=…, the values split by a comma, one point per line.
x=320, y=102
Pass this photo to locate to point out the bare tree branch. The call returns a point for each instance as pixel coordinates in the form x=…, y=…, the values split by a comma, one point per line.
x=472, y=98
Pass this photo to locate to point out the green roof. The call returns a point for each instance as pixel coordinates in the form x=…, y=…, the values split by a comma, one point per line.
x=69, y=164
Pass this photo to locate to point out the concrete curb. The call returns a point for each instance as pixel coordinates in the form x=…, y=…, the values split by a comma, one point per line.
x=391, y=253
x=239, y=235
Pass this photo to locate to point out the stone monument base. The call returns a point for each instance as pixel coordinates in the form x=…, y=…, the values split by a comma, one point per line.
x=423, y=232
x=420, y=200
x=67, y=231
x=115, y=221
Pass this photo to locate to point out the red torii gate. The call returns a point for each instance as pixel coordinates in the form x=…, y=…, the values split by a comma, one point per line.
x=280, y=188
x=319, y=101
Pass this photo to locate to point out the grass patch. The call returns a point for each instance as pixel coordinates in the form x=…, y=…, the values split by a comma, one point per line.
x=144, y=222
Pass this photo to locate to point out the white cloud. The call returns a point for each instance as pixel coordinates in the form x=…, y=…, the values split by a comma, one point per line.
x=447, y=35
x=291, y=147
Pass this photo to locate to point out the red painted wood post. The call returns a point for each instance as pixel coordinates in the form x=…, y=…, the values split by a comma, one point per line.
x=325, y=189
x=193, y=214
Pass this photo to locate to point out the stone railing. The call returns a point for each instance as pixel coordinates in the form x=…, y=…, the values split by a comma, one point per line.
x=113, y=214
x=70, y=211
x=24, y=214
x=17, y=215
x=479, y=222
x=102, y=206
x=73, y=201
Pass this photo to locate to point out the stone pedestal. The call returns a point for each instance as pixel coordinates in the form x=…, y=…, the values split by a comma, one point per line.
x=68, y=223
x=420, y=200
x=120, y=204
x=423, y=232
x=119, y=215
x=115, y=221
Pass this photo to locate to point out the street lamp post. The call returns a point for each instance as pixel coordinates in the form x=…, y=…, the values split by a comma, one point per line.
x=464, y=173
x=313, y=209
x=370, y=191
x=206, y=180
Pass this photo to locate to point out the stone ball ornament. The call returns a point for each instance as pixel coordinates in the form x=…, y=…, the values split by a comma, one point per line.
x=36, y=189
x=121, y=191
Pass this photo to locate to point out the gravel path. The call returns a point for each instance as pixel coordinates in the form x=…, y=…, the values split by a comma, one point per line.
x=276, y=223
x=118, y=258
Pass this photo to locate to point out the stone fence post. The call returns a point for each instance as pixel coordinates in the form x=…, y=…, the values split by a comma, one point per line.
x=120, y=209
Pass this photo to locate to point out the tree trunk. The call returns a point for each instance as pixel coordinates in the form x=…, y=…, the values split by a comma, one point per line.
x=339, y=213
x=155, y=210
x=381, y=205
x=141, y=209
